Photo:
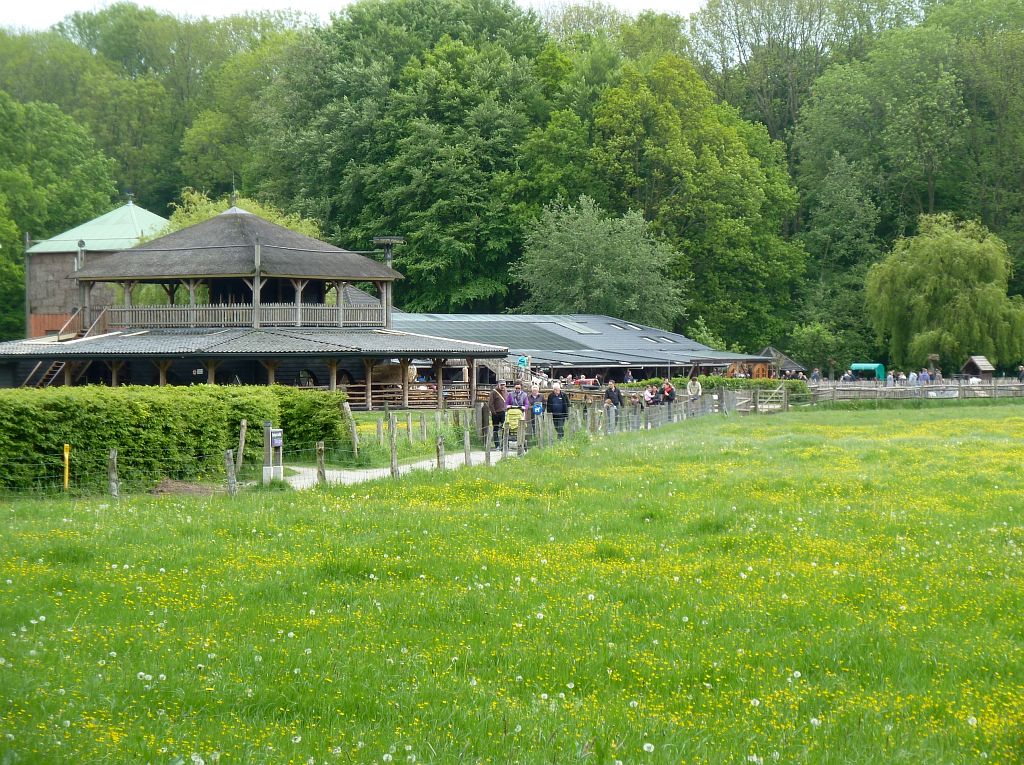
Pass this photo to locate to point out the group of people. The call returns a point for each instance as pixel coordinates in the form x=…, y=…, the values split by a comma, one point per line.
x=517, y=407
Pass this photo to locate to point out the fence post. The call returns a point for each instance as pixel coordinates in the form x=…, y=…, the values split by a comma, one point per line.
x=465, y=446
x=504, y=439
x=380, y=432
x=229, y=468
x=785, y=398
x=521, y=438
x=609, y=420
x=321, y=469
x=352, y=430
x=408, y=426
x=115, y=486
x=440, y=452
x=423, y=426
x=394, y=449
x=242, y=428
x=487, y=443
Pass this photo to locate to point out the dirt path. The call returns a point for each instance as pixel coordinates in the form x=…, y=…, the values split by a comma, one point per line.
x=305, y=477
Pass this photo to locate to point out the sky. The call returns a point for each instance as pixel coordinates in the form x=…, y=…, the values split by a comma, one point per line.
x=44, y=13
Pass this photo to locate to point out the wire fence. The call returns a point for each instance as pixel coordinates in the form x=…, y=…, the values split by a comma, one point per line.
x=393, y=444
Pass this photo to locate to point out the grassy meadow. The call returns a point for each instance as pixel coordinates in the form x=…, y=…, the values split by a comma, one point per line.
x=825, y=587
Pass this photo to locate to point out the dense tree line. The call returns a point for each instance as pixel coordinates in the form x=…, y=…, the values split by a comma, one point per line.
x=764, y=154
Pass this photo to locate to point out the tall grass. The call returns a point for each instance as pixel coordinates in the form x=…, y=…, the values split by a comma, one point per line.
x=823, y=588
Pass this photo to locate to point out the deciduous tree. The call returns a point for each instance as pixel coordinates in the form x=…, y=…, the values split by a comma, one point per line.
x=944, y=291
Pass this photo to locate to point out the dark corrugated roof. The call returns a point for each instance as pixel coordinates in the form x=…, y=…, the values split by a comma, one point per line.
x=573, y=340
x=246, y=342
x=225, y=246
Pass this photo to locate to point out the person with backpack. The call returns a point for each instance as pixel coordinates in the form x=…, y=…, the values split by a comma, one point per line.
x=558, y=405
x=534, y=411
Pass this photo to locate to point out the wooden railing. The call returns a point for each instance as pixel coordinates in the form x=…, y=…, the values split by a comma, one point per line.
x=270, y=315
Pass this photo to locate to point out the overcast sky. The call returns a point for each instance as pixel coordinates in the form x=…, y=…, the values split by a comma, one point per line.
x=26, y=14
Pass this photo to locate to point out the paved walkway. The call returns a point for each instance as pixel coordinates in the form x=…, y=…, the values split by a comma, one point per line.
x=305, y=477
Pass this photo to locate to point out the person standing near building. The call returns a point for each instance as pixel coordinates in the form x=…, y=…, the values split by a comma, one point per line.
x=498, y=407
x=558, y=405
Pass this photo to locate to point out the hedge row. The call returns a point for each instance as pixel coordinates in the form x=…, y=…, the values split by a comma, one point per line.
x=173, y=432
x=710, y=382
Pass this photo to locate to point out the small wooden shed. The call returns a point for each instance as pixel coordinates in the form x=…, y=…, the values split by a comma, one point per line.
x=978, y=366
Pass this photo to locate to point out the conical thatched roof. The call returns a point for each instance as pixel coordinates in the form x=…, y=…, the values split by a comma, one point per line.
x=225, y=245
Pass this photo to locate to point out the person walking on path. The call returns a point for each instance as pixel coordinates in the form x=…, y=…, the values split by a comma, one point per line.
x=498, y=407
x=558, y=405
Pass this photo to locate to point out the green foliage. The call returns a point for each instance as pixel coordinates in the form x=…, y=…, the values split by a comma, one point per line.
x=52, y=176
x=581, y=260
x=815, y=345
x=196, y=206
x=944, y=291
x=709, y=383
x=311, y=416
x=158, y=432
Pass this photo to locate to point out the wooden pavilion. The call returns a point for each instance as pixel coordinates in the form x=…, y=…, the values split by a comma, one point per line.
x=243, y=300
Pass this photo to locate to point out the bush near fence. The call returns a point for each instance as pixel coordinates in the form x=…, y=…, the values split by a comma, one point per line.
x=710, y=382
x=170, y=432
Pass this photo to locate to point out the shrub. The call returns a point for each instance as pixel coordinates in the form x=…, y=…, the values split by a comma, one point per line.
x=173, y=432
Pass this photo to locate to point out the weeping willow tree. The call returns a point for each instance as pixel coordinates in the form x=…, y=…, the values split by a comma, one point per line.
x=944, y=291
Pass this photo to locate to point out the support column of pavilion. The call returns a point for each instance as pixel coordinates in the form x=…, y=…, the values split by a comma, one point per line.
x=271, y=366
x=471, y=368
x=439, y=378
x=368, y=369
x=115, y=368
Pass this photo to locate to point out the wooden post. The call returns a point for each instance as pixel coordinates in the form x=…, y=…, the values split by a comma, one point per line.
x=68, y=376
x=440, y=452
x=112, y=480
x=380, y=432
x=332, y=370
x=271, y=367
x=403, y=365
x=521, y=438
x=408, y=426
x=229, y=469
x=368, y=367
x=321, y=468
x=488, y=434
x=437, y=421
x=352, y=430
x=471, y=366
x=439, y=378
x=242, y=428
x=423, y=427
x=115, y=372
x=465, y=448
x=211, y=372
x=394, y=449
x=163, y=367
x=504, y=439
x=785, y=398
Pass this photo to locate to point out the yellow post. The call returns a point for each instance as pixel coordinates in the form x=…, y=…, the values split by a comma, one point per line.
x=67, y=466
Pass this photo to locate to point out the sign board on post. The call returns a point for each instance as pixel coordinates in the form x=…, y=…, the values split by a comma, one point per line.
x=273, y=453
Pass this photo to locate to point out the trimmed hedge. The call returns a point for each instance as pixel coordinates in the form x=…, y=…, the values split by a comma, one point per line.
x=170, y=432
x=710, y=382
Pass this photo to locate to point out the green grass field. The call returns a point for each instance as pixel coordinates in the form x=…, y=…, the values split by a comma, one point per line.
x=830, y=587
